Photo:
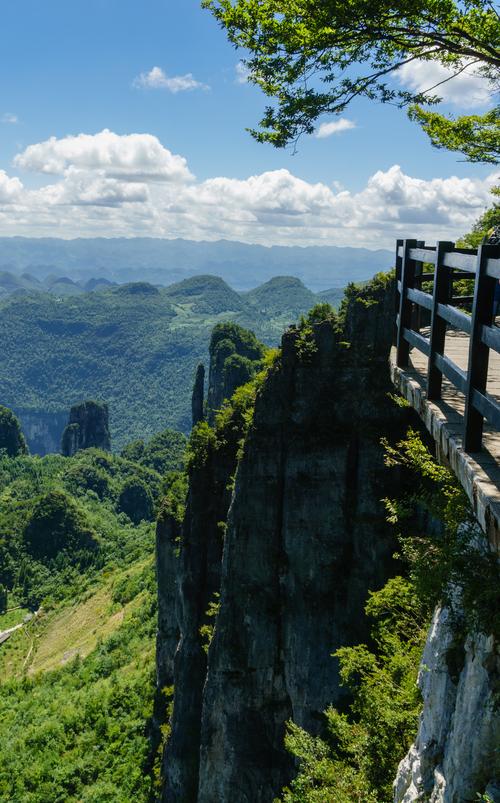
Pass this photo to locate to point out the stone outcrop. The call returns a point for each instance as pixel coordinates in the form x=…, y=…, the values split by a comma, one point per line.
x=88, y=426
x=235, y=355
x=197, y=399
x=455, y=757
x=12, y=440
x=168, y=532
x=306, y=539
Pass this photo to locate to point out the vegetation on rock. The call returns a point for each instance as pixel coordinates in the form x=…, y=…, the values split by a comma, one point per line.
x=448, y=562
x=12, y=440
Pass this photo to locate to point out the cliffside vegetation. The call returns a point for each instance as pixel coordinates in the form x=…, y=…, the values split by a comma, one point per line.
x=12, y=440
x=447, y=562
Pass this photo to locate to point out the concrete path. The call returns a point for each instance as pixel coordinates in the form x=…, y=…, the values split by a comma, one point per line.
x=479, y=473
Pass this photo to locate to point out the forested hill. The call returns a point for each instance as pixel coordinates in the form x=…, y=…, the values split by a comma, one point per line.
x=135, y=346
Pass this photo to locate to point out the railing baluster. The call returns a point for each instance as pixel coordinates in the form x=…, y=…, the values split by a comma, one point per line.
x=399, y=264
x=477, y=375
x=417, y=310
x=441, y=295
x=407, y=280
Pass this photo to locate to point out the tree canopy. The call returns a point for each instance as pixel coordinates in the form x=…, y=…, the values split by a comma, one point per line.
x=316, y=56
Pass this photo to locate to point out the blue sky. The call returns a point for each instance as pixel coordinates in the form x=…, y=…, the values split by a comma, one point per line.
x=73, y=67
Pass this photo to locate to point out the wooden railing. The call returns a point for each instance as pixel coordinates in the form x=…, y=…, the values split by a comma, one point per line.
x=444, y=264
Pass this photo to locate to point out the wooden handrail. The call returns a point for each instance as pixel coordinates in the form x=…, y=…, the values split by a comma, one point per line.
x=449, y=265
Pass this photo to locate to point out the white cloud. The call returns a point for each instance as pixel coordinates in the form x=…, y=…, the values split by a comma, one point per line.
x=10, y=118
x=157, y=79
x=335, y=127
x=132, y=157
x=242, y=73
x=83, y=188
x=131, y=185
x=10, y=188
x=467, y=90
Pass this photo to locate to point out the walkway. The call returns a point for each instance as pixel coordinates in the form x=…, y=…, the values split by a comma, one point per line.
x=479, y=472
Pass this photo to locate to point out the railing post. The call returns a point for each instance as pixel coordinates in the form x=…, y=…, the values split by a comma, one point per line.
x=407, y=279
x=397, y=293
x=441, y=295
x=477, y=374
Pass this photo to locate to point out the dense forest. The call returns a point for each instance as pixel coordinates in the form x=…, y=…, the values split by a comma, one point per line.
x=135, y=346
x=78, y=583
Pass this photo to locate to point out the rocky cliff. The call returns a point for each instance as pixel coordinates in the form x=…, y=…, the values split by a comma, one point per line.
x=198, y=396
x=455, y=757
x=235, y=354
x=197, y=579
x=12, y=440
x=43, y=430
x=306, y=538
x=88, y=426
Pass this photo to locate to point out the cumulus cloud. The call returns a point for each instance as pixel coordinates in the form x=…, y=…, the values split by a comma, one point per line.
x=466, y=90
x=83, y=188
x=131, y=185
x=335, y=127
x=10, y=118
x=132, y=157
x=157, y=79
x=10, y=188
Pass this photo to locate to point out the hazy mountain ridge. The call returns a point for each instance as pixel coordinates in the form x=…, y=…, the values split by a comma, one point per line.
x=135, y=346
x=161, y=261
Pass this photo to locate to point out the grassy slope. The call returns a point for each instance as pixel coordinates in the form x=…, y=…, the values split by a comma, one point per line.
x=77, y=681
x=134, y=346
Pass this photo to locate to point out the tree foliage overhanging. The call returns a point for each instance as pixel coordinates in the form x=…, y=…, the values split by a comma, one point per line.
x=316, y=56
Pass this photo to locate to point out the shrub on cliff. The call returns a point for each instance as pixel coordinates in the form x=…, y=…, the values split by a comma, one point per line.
x=57, y=524
x=449, y=563
x=200, y=444
x=11, y=437
x=357, y=756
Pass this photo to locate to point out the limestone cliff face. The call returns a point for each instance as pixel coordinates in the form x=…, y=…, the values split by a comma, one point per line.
x=197, y=570
x=455, y=756
x=197, y=398
x=88, y=426
x=43, y=430
x=168, y=531
x=167, y=560
x=306, y=538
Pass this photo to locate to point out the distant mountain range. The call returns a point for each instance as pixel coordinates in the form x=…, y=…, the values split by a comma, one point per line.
x=163, y=262
x=54, y=285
